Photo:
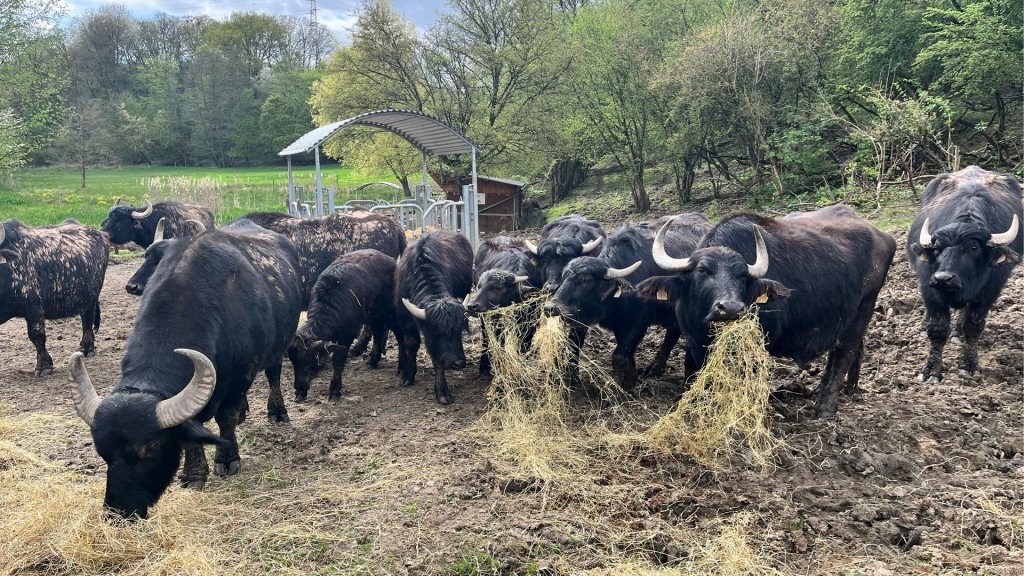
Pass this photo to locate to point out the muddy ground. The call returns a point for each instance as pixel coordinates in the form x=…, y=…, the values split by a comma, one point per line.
x=909, y=478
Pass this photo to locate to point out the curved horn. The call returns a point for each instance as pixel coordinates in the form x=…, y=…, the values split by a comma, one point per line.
x=82, y=392
x=190, y=401
x=145, y=212
x=521, y=279
x=158, y=236
x=414, y=310
x=662, y=259
x=531, y=247
x=465, y=301
x=760, y=266
x=996, y=240
x=118, y=201
x=925, y=240
x=589, y=246
x=3, y=233
x=199, y=226
x=613, y=273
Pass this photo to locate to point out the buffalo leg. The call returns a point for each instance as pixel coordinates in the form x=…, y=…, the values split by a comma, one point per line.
x=409, y=345
x=37, y=334
x=577, y=336
x=844, y=361
x=485, y=356
x=936, y=325
x=276, y=411
x=359, y=347
x=973, y=324
x=657, y=367
x=88, y=343
x=196, y=469
x=441, y=392
x=380, y=338
x=226, y=461
x=338, y=360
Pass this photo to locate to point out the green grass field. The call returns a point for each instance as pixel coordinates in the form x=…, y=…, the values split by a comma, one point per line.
x=40, y=196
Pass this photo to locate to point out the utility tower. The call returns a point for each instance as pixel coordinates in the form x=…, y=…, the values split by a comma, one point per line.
x=313, y=44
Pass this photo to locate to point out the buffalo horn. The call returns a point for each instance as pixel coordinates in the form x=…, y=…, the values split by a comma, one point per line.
x=145, y=213
x=613, y=273
x=760, y=265
x=662, y=259
x=465, y=301
x=158, y=236
x=589, y=246
x=3, y=233
x=415, y=310
x=118, y=201
x=925, y=239
x=521, y=279
x=531, y=247
x=190, y=401
x=199, y=226
x=82, y=392
x=996, y=240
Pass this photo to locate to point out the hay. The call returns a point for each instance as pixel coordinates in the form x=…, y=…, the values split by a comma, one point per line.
x=725, y=411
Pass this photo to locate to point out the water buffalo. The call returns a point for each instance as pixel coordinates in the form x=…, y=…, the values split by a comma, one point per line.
x=504, y=271
x=561, y=240
x=52, y=272
x=434, y=275
x=814, y=278
x=356, y=290
x=223, y=306
x=126, y=224
x=600, y=291
x=963, y=245
x=154, y=253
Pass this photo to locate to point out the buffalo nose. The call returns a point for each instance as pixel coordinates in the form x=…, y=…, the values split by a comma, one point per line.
x=549, y=288
x=942, y=277
x=728, y=309
x=133, y=289
x=473, y=306
x=552, y=309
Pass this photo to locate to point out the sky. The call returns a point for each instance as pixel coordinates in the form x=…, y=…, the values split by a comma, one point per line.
x=336, y=15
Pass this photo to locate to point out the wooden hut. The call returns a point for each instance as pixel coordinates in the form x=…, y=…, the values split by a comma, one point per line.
x=499, y=200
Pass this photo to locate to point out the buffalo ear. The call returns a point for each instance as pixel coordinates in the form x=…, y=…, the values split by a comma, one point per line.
x=333, y=347
x=196, y=432
x=9, y=256
x=917, y=249
x=765, y=290
x=1001, y=255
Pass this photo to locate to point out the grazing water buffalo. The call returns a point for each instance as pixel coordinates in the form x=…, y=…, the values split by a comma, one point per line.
x=561, y=240
x=223, y=306
x=600, y=291
x=52, y=272
x=815, y=278
x=504, y=271
x=125, y=224
x=433, y=276
x=963, y=245
x=356, y=290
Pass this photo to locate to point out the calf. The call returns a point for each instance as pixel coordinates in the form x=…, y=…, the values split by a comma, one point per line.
x=963, y=246
x=433, y=276
x=222, y=307
x=600, y=291
x=814, y=295
x=125, y=224
x=356, y=290
x=52, y=272
x=504, y=271
x=561, y=240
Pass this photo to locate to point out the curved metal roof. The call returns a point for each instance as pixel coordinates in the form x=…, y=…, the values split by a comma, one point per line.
x=421, y=130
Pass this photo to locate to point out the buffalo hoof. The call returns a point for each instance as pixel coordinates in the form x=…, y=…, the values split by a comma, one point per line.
x=334, y=397
x=485, y=370
x=45, y=371
x=825, y=413
x=930, y=380
x=193, y=481
x=278, y=416
x=300, y=396
x=371, y=363
x=90, y=353
x=971, y=375
x=229, y=469
x=444, y=398
x=405, y=383
x=956, y=340
x=653, y=370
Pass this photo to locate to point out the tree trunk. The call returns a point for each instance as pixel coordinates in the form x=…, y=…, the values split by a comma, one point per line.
x=565, y=174
x=641, y=201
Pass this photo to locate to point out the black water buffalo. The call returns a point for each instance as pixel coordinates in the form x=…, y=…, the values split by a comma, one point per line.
x=52, y=272
x=154, y=253
x=356, y=290
x=434, y=275
x=125, y=224
x=600, y=291
x=815, y=278
x=561, y=240
x=504, y=271
x=963, y=245
x=223, y=306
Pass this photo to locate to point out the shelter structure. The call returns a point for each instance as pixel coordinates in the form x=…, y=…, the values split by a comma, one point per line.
x=499, y=201
x=428, y=134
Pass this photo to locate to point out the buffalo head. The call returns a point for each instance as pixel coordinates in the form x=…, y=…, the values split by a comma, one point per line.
x=442, y=322
x=123, y=222
x=586, y=283
x=554, y=253
x=497, y=288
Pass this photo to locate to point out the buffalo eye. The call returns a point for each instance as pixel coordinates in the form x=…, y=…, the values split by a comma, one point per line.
x=974, y=247
x=148, y=450
x=702, y=270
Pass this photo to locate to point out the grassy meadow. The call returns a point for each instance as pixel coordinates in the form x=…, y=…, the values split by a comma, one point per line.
x=41, y=196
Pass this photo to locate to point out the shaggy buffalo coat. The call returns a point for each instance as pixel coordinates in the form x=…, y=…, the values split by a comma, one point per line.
x=824, y=271
x=961, y=266
x=124, y=225
x=52, y=272
x=504, y=271
x=587, y=296
x=356, y=290
x=433, y=276
x=234, y=297
x=561, y=240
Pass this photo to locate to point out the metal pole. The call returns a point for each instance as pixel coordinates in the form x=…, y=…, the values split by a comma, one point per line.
x=474, y=218
x=319, y=185
x=291, y=189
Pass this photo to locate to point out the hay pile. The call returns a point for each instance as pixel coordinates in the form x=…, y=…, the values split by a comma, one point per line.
x=724, y=414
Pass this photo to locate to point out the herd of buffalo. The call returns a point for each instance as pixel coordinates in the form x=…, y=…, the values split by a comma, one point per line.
x=221, y=304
